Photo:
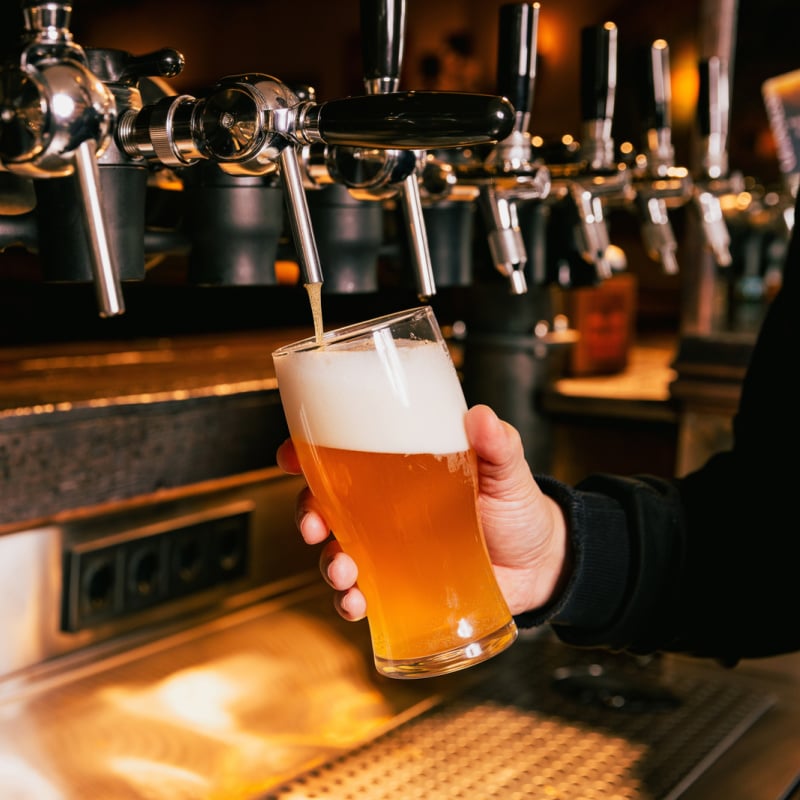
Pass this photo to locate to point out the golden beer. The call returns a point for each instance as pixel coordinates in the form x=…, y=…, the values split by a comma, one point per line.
x=376, y=413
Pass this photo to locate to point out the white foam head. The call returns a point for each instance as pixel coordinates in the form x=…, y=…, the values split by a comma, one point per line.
x=400, y=396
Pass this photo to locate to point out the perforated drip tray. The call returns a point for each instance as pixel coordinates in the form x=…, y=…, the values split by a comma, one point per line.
x=280, y=701
x=546, y=722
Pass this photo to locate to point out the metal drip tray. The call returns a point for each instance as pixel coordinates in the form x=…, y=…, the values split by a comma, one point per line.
x=514, y=736
x=281, y=701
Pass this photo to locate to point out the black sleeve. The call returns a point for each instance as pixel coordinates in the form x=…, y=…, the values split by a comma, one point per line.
x=627, y=541
x=706, y=564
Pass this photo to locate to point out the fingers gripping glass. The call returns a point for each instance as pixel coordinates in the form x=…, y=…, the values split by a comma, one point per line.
x=376, y=414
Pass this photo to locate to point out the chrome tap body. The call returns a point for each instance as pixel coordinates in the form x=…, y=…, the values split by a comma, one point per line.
x=658, y=183
x=57, y=119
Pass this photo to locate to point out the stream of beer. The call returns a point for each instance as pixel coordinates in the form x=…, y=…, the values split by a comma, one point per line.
x=315, y=299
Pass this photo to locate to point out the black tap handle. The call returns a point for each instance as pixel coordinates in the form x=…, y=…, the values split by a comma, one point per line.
x=655, y=97
x=516, y=53
x=598, y=71
x=712, y=96
x=382, y=31
x=415, y=120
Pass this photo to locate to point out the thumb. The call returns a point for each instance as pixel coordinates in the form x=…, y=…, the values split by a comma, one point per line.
x=498, y=446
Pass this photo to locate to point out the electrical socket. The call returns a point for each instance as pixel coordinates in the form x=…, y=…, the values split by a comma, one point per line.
x=229, y=547
x=146, y=563
x=96, y=589
x=105, y=581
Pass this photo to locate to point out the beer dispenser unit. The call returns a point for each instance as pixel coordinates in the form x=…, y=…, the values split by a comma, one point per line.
x=239, y=141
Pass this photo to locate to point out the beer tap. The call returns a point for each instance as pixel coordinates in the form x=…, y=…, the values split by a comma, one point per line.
x=349, y=185
x=584, y=188
x=713, y=116
x=394, y=173
x=383, y=32
x=511, y=174
x=658, y=183
x=56, y=120
x=123, y=180
x=346, y=209
x=253, y=124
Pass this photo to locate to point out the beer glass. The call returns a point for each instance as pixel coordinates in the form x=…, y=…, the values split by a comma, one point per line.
x=376, y=414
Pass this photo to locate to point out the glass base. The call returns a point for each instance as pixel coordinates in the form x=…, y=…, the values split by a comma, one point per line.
x=458, y=658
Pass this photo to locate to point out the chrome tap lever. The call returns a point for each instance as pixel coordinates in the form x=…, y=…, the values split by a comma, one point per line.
x=56, y=118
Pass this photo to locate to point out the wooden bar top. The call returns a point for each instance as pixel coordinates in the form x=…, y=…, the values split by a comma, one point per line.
x=34, y=379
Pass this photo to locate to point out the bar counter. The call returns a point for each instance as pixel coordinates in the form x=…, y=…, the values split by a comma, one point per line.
x=91, y=430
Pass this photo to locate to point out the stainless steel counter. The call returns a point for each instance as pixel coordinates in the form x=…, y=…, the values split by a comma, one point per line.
x=279, y=700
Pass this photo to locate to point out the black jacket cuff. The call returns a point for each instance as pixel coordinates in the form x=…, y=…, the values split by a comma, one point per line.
x=598, y=538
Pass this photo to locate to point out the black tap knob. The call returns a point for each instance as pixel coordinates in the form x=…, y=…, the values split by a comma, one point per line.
x=516, y=57
x=382, y=33
x=657, y=95
x=713, y=107
x=410, y=120
x=598, y=92
x=598, y=71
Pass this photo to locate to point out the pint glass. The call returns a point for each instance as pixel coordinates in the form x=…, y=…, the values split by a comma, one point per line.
x=376, y=414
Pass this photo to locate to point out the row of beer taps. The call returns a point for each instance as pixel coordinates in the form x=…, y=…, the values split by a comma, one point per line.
x=74, y=122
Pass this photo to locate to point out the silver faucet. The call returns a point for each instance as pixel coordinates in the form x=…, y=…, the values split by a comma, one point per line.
x=515, y=176
x=713, y=113
x=597, y=179
x=659, y=184
x=57, y=119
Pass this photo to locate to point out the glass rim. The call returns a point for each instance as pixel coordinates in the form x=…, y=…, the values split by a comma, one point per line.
x=354, y=329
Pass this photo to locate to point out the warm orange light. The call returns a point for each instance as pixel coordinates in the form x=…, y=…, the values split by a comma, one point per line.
x=685, y=86
x=287, y=272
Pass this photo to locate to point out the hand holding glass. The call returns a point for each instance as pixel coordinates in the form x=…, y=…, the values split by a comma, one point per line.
x=376, y=414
